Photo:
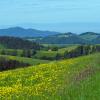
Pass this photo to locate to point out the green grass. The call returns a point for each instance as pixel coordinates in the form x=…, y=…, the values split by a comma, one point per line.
x=89, y=37
x=62, y=50
x=52, y=54
x=2, y=46
x=31, y=61
x=9, y=51
x=60, y=45
x=84, y=79
x=73, y=79
x=42, y=53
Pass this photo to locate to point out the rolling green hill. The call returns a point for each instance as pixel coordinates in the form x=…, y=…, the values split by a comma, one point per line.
x=69, y=38
x=51, y=54
x=2, y=46
x=74, y=79
x=22, y=32
x=66, y=38
x=96, y=40
x=30, y=61
x=17, y=43
x=89, y=36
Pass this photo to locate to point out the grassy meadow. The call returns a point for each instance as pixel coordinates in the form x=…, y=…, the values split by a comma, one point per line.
x=40, y=53
x=2, y=46
x=30, y=61
x=52, y=54
x=49, y=72
x=73, y=79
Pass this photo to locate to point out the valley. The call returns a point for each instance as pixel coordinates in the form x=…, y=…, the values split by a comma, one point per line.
x=49, y=50
x=30, y=70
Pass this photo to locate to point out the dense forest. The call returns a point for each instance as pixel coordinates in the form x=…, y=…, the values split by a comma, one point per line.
x=6, y=64
x=81, y=50
x=18, y=43
x=22, y=52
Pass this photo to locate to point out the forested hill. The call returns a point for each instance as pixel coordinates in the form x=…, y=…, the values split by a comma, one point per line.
x=17, y=43
x=71, y=38
x=22, y=32
x=51, y=37
x=67, y=38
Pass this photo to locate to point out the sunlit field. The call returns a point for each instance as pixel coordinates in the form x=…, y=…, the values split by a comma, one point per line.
x=74, y=79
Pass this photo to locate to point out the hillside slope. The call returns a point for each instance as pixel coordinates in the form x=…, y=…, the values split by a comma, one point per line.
x=96, y=41
x=67, y=38
x=70, y=38
x=89, y=36
x=21, y=32
x=74, y=79
x=17, y=43
x=30, y=61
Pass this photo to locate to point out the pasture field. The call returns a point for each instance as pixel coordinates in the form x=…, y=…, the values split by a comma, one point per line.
x=40, y=53
x=2, y=46
x=52, y=54
x=69, y=48
x=9, y=51
x=60, y=45
x=73, y=79
x=30, y=61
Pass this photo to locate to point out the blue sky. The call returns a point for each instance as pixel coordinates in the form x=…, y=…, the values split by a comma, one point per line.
x=57, y=15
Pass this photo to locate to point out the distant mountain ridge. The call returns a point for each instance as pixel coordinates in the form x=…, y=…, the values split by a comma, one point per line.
x=97, y=40
x=50, y=37
x=21, y=32
x=89, y=35
x=71, y=38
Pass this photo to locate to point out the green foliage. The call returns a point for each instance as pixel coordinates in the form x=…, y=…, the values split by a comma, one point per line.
x=66, y=38
x=6, y=64
x=70, y=38
x=2, y=46
x=51, y=55
x=16, y=52
x=89, y=36
x=18, y=43
x=30, y=61
x=52, y=52
x=74, y=79
x=48, y=54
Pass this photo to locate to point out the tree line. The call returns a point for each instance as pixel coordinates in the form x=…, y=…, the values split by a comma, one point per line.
x=6, y=64
x=18, y=43
x=22, y=53
x=79, y=51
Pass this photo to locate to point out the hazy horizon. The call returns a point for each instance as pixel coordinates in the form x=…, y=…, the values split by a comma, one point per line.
x=60, y=27
x=53, y=15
